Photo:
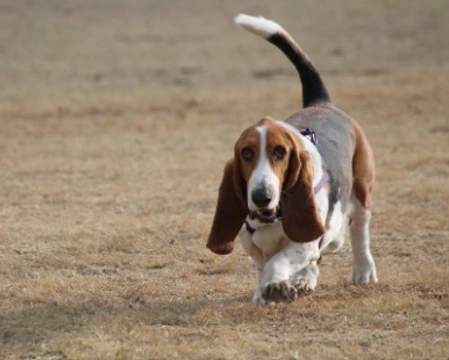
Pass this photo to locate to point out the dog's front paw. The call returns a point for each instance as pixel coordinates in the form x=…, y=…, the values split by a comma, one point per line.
x=364, y=274
x=305, y=280
x=258, y=299
x=304, y=286
x=281, y=291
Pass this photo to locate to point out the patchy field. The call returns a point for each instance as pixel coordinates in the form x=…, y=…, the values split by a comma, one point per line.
x=116, y=119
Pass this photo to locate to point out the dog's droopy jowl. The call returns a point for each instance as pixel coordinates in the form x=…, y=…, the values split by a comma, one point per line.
x=294, y=186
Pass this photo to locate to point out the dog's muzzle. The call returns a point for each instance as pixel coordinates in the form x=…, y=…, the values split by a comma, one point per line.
x=267, y=216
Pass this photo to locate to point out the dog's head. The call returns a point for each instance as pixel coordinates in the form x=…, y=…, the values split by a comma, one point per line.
x=270, y=169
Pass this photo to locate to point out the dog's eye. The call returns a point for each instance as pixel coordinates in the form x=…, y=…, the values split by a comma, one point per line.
x=279, y=152
x=247, y=154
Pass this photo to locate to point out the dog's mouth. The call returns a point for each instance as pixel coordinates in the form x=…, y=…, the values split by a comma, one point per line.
x=266, y=215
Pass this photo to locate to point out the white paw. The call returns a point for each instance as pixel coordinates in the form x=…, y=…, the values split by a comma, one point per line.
x=281, y=291
x=306, y=279
x=365, y=273
x=258, y=299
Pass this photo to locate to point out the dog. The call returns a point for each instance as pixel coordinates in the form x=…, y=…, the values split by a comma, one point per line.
x=294, y=186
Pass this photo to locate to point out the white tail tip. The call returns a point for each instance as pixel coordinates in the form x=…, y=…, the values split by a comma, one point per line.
x=258, y=25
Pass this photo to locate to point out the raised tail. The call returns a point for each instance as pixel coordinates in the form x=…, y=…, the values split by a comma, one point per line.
x=313, y=89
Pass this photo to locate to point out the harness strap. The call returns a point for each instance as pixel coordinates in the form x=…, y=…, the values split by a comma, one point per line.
x=310, y=134
x=323, y=181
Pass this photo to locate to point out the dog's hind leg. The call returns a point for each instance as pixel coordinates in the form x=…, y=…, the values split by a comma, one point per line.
x=336, y=230
x=364, y=269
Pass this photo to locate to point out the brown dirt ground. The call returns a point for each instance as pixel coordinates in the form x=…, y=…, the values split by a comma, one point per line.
x=116, y=119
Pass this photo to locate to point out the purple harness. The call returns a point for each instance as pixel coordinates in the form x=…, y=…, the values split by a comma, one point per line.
x=310, y=134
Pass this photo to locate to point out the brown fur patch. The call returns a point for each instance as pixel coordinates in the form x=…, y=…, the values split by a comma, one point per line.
x=363, y=168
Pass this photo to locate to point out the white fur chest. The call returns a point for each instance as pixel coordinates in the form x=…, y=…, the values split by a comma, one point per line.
x=269, y=239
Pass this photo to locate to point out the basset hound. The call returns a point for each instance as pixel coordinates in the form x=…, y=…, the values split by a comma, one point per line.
x=294, y=186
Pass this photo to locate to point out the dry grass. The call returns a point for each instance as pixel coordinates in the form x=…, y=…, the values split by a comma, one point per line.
x=116, y=119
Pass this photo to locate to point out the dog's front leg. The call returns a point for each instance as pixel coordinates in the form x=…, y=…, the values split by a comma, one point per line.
x=280, y=272
x=258, y=259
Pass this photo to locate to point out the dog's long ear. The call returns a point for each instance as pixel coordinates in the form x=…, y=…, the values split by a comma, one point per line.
x=230, y=213
x=300, y=217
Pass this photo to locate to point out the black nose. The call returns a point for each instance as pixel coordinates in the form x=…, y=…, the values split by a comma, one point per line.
x=261, y=197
